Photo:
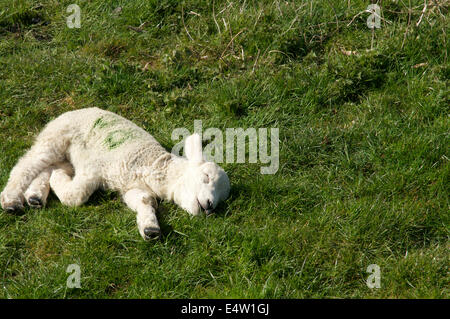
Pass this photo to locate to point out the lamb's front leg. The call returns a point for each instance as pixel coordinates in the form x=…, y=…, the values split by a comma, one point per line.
x=145, y=206
x=73, y=191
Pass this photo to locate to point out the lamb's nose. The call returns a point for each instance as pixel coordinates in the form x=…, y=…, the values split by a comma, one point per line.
x=209, y=207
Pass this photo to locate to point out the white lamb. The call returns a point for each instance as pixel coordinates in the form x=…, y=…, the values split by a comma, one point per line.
x=87, y=149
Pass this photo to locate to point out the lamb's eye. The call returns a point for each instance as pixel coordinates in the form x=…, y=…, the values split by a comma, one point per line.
x=205, y=179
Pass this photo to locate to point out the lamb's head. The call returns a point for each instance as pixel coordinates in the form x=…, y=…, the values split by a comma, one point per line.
x=202, y=185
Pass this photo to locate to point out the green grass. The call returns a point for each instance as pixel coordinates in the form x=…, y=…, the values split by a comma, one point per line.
x=364, y=146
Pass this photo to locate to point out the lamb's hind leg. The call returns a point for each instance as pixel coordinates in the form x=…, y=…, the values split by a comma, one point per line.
x=39, y=158
x=37, y=193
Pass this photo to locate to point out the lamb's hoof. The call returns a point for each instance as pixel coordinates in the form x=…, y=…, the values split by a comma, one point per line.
x=35, y=202
x=152, y=233
x=14, y=210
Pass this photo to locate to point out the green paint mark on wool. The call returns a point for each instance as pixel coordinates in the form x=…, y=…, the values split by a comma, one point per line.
x=114, y=138
x=117, y=138
x=102, y=123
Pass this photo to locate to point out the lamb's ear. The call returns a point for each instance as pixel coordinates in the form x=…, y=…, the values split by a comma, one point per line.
x=193, y=148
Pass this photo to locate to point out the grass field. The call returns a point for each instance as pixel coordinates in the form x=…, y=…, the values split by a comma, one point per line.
x=363, y=119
